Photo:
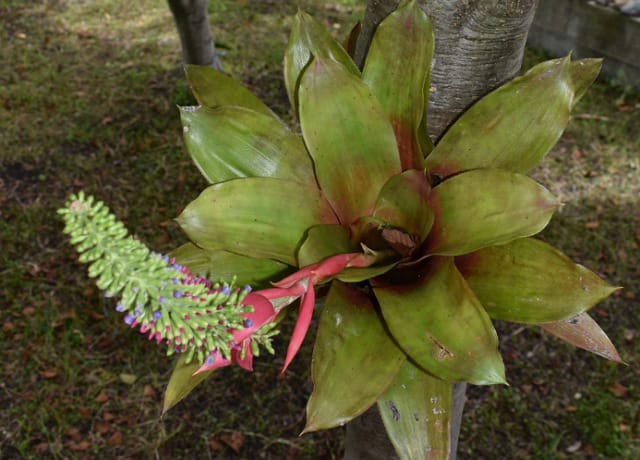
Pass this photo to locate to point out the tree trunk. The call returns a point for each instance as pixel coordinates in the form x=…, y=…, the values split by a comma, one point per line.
x=479, y=45
x=192, y=22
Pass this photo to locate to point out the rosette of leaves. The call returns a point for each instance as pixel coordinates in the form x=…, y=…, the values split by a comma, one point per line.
x=445, y=231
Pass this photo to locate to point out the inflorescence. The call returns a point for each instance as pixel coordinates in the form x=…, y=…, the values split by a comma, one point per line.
x=164, y=299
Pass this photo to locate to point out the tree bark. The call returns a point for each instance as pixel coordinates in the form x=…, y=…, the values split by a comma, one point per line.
x=478, y=46
x=192, y=22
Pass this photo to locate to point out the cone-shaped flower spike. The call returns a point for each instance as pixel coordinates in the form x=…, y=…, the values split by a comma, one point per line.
x=421, y=245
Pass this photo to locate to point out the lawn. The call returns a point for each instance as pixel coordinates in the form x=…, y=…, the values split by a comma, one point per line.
x=88, y=95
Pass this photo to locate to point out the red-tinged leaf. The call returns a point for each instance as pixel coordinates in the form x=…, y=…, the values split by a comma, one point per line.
x=245, y=216
x=435, y=318
x=583, y=332
x=309, y=39
x=486, y=207
x=397, y=70
x=212, y=88
x=181, y=382
x=348, y=136
x=232, y=142
x=529, y=281
x=402, y=203
x=416, y=411
x=222, y=265
x=514, y=126
x=354, y=360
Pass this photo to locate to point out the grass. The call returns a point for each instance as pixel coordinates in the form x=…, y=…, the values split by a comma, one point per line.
x=87, y=101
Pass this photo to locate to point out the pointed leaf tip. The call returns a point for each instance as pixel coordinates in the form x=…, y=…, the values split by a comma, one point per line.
x=514, y=126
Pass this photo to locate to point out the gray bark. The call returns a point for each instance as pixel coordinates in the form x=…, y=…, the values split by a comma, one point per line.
x=192, y=22
x=479, y=45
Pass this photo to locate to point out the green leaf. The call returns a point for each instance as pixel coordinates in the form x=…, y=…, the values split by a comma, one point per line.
x=583, y=332
x=435, y=318
x=222, y=265
x=486, y=207
x=309, y=38
x=213, y=89
x=246, y=216
x=181, y=382
x=403, y=203
x=348, y=136
x=397, y=70
x=233, y=142
x=515, y=126
x=354, y=360
x=416, y=411
x=324, y=241
x=528, y=281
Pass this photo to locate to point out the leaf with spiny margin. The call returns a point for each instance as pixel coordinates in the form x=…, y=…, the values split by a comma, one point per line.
x=354, y=360
x=212, y=89
x=397, y=70
x=514, y=126
x=181, y=382
x=348, y=136
x=246, y=216
x=486, y=207
x=416, y=412
x=309, y=38
x=583, y=332
x=402, y=203
x=232, y=142
x=438, y=321
x=529, y=281
x=216, y=264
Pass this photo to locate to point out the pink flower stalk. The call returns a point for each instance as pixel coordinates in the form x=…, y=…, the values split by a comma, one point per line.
x=299, y=285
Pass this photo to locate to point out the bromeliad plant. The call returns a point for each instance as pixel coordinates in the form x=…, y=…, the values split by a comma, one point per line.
x=419, y=246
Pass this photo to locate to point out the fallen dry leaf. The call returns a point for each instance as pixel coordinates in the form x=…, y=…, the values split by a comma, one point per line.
x=619, y=390
x=629, y=334
x=575, y=447
x=149, y=392
x=102, y=397
x=115, y=439
x=102, y=427
x=235, y=440
x=79, y=446
x=48, y=373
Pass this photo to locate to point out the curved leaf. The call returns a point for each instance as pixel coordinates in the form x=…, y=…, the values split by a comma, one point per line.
x=348, y=136
x=515, y=126
x=246, y=216
x=323, y=241
x=486, y=207
x=233, y=142
x=212, y=88
x=397, y=70
x=402, y=203
x=309, y=38
x=528, y=281
x=354, y=360
x=441, y=325
x=222, y=265
x=416, y=411
x=181, y=382
x=583, y=332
